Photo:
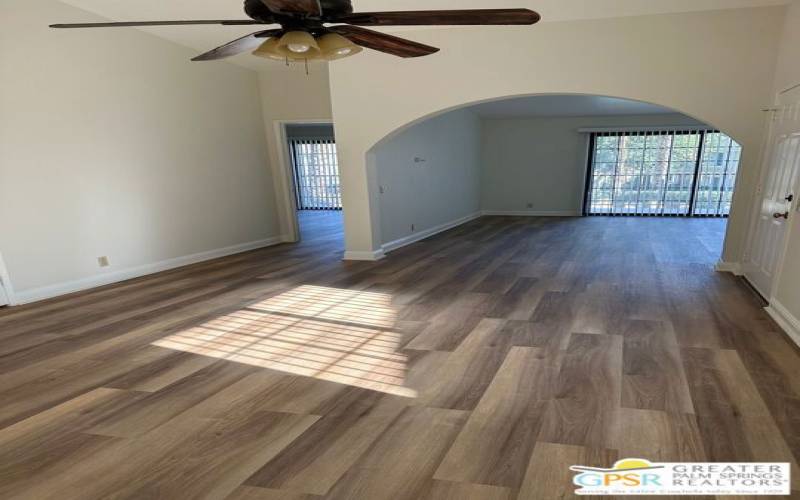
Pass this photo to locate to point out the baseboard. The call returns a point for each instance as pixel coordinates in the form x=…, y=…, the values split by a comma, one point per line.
x=365, y=256
x=785, y=319
x=413, y=238
x=533, y=213
x=728, y=267
x=51, y=291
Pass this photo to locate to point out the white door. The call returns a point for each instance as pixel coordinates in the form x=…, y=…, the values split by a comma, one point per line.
x=777, y=195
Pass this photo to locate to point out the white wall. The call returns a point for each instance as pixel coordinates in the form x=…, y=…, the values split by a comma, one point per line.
x=289, y=94
x=788, y=75
x=441, y=189
x=542, y=161
x=709, y=65
x=113, y=144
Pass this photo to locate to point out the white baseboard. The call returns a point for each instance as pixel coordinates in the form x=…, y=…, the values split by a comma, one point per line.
x=365, y=256
x=427, y=233
x=785, y=319
x=533, y=213
x=728, y=267
x=408, y=240
x=48, y=292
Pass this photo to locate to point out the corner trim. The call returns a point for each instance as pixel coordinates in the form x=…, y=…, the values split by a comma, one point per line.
x=533, y=213
x=5, y=281
x=51, y=291
x=734, y=268
x=427, y=233
x=785, y=320
x=365, y=256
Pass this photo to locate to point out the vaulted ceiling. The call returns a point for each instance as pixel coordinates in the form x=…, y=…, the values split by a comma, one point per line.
x=202, y=38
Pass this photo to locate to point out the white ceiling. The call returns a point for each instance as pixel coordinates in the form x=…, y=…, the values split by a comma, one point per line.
x=203, y=38
x=565, y=105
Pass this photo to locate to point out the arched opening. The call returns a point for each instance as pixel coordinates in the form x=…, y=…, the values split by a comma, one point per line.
x=554, y=155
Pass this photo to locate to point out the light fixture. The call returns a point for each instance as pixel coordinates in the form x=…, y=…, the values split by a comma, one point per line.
x=334, y=46
x=269, y=50
x=298, y=45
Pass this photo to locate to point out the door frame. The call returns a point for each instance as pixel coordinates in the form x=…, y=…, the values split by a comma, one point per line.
x=5, y=281
x=765, y=158
x=285, y=182
x=767, y=152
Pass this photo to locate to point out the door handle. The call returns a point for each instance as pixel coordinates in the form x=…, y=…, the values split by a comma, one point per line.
x=779, y=215
x=789, y=198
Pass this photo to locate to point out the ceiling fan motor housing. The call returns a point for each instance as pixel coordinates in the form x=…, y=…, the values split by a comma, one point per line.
x=257, y=10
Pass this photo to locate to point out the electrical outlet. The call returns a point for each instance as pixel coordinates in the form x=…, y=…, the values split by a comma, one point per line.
x=413, y=227
x=382, y=189
x=530, y=205
x=103, y=261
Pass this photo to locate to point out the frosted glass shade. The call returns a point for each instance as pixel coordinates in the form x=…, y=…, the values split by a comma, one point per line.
x=298, y=45
x=334, y=46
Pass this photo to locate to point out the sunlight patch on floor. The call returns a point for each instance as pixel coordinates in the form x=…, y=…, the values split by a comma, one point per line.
x=342, y=336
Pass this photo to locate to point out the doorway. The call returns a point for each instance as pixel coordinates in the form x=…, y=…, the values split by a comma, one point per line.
x=316, y=181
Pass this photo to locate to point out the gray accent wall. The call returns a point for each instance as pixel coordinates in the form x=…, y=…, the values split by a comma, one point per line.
x=542, y=162
x=429, y=175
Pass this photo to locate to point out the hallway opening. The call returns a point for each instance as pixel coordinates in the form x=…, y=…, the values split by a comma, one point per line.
x=316, y=182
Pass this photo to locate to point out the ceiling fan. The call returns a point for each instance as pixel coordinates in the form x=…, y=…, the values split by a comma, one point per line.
x=304, y=34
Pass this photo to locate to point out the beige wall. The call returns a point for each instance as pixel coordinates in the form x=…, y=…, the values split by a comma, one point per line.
x=788, y=72
x=289, y=94
x=542, y=161
x=709, y=65
x=113, y=144
x=788, y=75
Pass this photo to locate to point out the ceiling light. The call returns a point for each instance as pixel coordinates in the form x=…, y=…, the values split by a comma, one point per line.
x=269, y=50
x=298, y=45
x=335, y=46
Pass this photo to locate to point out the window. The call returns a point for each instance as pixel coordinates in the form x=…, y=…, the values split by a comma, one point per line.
x=316, y=174
x=677, y=173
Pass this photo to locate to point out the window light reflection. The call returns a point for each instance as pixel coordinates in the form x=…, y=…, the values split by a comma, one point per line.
x=342, y=336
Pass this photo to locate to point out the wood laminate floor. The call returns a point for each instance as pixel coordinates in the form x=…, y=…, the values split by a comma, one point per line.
x=478, y=364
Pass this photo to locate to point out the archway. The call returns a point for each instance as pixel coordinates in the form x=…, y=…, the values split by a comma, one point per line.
x=681, y=182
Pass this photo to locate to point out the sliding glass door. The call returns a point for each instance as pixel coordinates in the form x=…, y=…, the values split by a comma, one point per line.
x=662, y=173
x=316, y=174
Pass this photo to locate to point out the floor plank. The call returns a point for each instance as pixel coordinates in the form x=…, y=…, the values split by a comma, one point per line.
x=588, y=397
x=495, y=445
x=548, y=474
x=399, y=465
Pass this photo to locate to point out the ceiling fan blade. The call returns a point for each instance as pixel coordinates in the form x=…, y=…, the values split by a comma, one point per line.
x=443, y=17
x=244, y=44
x=308, y=7
x=247, y=22
x=385, y=43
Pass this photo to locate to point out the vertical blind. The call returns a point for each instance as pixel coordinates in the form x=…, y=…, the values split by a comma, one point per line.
x=662, y=172
x=316, y=174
